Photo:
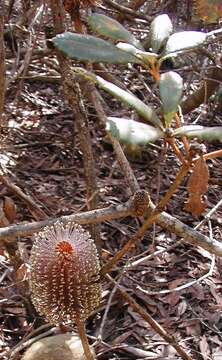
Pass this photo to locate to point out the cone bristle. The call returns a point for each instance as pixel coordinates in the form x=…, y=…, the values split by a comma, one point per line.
x=65, y=273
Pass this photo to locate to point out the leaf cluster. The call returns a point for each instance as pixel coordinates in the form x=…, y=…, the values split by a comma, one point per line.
x=125, y=49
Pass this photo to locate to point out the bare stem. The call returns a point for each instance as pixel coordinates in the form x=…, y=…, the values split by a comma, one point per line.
x=73, y=94
x=183, y=138
x=213, y=155
x=122, y=160
x=151, y=219
x=83, y=337
x=2, y=64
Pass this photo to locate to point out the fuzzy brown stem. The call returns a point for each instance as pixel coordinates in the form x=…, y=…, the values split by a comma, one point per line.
x=183, y=138
x=177, y=152
x=213, y=155
x=83, y=337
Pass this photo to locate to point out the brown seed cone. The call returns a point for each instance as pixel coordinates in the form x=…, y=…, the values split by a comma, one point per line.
x=72, y=5
x=65, y=267
x=141, y=201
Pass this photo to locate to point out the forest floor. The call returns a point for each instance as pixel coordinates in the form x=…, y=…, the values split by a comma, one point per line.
x=40, y=154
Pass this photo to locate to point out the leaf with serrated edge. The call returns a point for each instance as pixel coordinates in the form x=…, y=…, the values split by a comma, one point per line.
x=132, y=132
x=90, y=48
x=112, y=29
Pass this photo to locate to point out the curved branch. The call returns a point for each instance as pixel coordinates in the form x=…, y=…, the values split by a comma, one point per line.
x=206, y=89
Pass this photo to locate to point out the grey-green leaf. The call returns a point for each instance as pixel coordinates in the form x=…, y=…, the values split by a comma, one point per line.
x=200, y=132
x=90, y=48
x=171, y=89
x=131, y=100
x=160, y=30
x=147, y=58
x=184, y=40
x=132, y=132
x=112, y=29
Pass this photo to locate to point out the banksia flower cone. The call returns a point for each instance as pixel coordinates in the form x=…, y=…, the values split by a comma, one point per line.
x=65, y=269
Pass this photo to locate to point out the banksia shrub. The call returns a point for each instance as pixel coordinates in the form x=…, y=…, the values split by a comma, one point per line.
x=65, y=269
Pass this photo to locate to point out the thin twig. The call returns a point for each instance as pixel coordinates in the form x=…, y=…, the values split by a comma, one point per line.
x=209, y=214
x=123, y=162
x=26, y=343
x=151, y=219
x=2, y=64
x=73, y=93
x=128, y=11
x=184, y=286
x=38, y=213
x=170, y=339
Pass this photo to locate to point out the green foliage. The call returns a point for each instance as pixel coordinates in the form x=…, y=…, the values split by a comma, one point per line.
x=184, y=40
x=112, y=29
x=90, y=48
x=200, y=132
x=129, y=50
x=133, y=132
x=131, y=100
x=171, y=88
x=160, y=30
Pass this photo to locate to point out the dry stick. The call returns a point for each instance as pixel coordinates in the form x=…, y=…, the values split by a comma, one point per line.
x=126, y=10
x=134, y=5
x=204, y=92
x=123, y=162
x=22, y=71
x=175, y=226
x=96, y=216
x=2, y=63
x=82, y=125
x=39, y=213
x=73, y=94
x=114, y=212
x=151, y=219
x=137, y=308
